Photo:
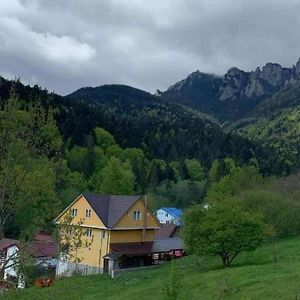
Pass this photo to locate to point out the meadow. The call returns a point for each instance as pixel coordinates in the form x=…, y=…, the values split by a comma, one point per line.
x=270, y=272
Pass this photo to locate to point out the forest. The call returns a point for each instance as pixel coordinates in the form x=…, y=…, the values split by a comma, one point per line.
x=119, y=140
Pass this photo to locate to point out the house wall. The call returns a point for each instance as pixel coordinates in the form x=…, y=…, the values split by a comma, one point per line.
x=12, y=267
x=130, y=230
x=164, y=217
x=93, y=255
x=127, y=221
x=127, y=236
x=82, y=205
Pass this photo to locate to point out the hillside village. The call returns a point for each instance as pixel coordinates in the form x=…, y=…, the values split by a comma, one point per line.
x=99, y=206
x=118, y=234
x=149, y=150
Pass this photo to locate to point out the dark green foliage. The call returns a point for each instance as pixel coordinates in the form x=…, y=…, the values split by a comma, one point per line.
x=281, y=213
x=223, y=229
x=137, y=119
x=115, y=178
x=118, y=139
x=199, y=90
x=182, y=194
x=28, y=156
x=276, y=200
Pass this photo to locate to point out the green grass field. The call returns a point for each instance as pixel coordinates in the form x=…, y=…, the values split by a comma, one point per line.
x=253, y=275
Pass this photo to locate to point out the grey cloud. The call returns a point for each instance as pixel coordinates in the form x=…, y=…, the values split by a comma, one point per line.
x=64, y=45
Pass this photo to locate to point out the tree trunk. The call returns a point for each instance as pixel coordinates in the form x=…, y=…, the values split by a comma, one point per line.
x=226, y=259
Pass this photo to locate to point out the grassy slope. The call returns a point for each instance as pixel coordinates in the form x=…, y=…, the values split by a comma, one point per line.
x=253, y=276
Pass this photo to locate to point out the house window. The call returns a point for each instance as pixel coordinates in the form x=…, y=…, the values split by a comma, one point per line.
x=88, y=232
x=103, y=234
x=88, y=213
x=166, y=214
x=137, y=215
x=167, y=222
x=74, y=212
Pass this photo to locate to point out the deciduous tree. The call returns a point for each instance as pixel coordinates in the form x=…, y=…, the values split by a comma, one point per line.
x=224, y=229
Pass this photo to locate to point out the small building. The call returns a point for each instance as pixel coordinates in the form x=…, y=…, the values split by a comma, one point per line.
x=41, y=251
x=167, y=243
x=167, y=231
x=169, y=215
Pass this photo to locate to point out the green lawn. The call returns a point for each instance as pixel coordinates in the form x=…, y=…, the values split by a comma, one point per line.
x=253, y=276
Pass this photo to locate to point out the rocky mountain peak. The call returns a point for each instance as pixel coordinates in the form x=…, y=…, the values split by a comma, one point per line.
x=274, y=74
x=206, y=91
x=297, y=68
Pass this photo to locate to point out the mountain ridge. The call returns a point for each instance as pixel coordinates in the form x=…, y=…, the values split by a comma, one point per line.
x=233, y=95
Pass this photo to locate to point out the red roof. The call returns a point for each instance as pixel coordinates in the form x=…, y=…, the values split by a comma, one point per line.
x=40, y=249
x=43, y=236
x=166, y=231
x=42, y=245
x=6, y=243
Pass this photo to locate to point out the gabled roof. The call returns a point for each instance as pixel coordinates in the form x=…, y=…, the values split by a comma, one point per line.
x=42, y=246
x=173, y=211
x=166, y=231
x=110, y=208
x=6, y=243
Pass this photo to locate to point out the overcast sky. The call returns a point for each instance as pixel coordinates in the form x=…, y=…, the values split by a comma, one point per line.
x=150, y=44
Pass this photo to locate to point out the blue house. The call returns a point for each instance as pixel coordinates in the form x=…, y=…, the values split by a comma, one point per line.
x=169, y=215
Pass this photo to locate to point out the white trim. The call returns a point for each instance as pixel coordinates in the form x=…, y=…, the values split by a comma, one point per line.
x=76, y=199
x=55, y=221
x=86, y=226
x=132, y=228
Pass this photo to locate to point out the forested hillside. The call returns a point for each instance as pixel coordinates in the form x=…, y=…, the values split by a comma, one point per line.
x=135, y=118
x=262, y=106
x=111, y=139
x=275, y=122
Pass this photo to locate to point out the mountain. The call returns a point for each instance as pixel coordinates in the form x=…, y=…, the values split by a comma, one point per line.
x=162, y=129
x=262, y=105
x=198, y=90
x=119, y=95
x=235, y=94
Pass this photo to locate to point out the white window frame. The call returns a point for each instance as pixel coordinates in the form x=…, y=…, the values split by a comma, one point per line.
x=74, y=212
x=137, y=215
x=88, y=213
x=89, y=232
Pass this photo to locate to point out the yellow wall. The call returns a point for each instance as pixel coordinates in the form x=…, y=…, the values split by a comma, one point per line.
x=82, y=204
x=128, y=236
x=127, y=220
x=90, y=255
x=93, y=255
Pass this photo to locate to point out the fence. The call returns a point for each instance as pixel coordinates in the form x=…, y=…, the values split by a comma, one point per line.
x=67, y=269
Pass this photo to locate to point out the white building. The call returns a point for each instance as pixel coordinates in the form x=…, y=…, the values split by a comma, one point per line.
x=42, y=250
x=11, y=268
x=169, y=215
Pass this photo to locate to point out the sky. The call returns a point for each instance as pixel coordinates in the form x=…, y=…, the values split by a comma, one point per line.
x=63, y=45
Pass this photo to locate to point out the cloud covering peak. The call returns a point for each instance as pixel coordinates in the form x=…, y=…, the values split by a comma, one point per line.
x=63, y=45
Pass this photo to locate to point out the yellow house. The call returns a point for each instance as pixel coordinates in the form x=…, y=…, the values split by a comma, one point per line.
x=121, y=228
